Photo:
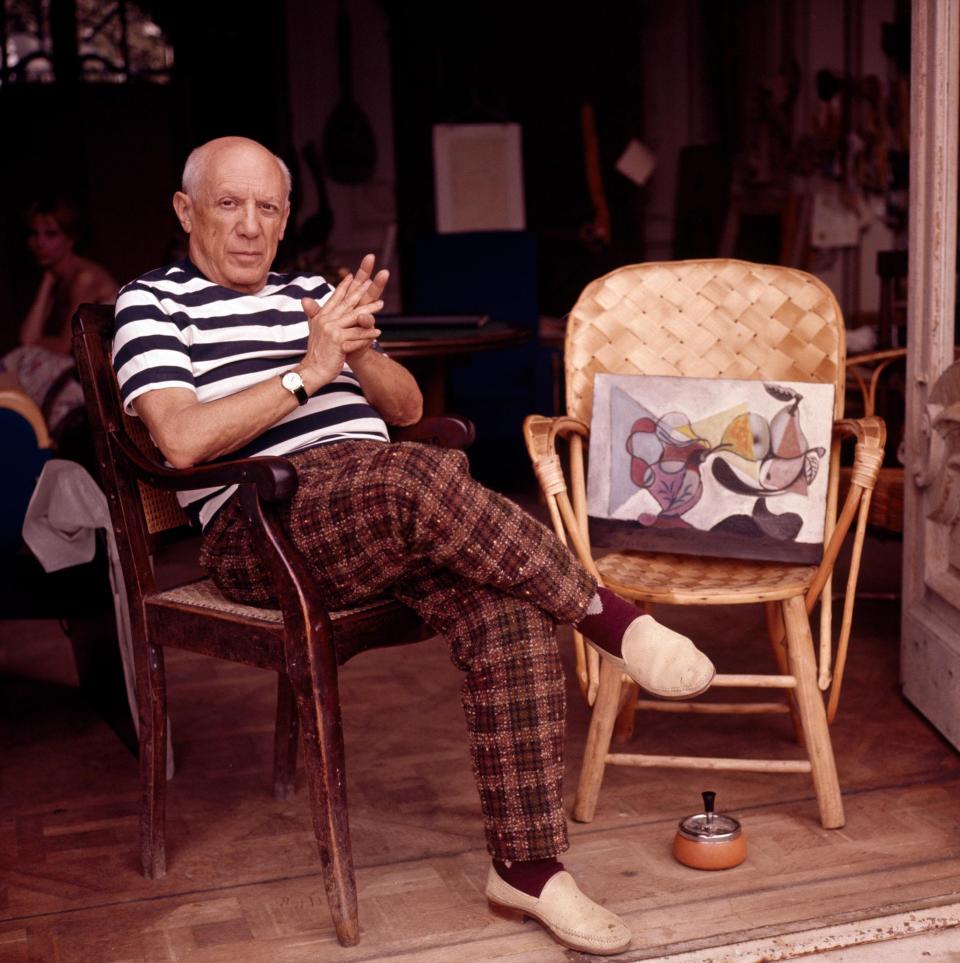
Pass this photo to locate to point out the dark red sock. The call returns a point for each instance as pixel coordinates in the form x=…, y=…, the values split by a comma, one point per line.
x=606, y=628
x=528, y=875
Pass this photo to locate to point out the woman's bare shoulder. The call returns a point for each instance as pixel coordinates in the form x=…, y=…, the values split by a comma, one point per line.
x=93, y=282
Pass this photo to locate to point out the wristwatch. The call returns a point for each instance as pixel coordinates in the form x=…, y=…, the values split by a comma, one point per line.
x=294, y=384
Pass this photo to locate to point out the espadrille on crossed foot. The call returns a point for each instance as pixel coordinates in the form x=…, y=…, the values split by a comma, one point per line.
x=662, y=661
x=570, y=917
x=658, y=659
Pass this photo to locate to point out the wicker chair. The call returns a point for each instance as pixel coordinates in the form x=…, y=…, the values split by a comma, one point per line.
x=301, y=641
x=729, y=319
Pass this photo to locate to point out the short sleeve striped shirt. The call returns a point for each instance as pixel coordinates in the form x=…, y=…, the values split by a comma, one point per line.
x=176, y=329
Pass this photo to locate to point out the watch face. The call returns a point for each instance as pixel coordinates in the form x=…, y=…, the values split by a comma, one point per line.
x=291, y=381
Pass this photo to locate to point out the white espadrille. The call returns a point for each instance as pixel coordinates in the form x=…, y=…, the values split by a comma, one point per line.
x=664, y=662
x=570, y=917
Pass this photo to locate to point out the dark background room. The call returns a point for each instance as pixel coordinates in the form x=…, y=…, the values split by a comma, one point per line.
x=748, y=109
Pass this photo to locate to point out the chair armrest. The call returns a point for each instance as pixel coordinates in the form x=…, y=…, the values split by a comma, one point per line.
x=540, y=434
x=275, y=478
x=871, y=436
x=445, y=431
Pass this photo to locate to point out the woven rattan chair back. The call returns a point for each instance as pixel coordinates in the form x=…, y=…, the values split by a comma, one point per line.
x=704, y=319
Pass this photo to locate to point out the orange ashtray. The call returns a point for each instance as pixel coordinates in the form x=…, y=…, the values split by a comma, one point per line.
x=709, y=840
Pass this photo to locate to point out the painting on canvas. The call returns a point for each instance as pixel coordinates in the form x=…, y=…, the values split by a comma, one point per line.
x=734, y=469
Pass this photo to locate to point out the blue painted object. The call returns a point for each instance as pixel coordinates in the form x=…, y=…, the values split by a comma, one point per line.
x=23, y=460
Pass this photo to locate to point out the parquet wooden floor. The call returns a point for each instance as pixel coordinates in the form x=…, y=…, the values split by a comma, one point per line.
x=244, y=882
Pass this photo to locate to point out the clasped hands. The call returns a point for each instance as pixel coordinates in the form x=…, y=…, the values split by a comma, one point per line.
x=343, y=327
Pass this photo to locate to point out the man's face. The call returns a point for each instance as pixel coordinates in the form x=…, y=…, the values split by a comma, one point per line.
x=238, y=217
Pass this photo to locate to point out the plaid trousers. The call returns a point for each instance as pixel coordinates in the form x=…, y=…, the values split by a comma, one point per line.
x=407, y=520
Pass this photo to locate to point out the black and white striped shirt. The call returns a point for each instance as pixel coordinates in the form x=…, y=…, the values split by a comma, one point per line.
x=176, y=329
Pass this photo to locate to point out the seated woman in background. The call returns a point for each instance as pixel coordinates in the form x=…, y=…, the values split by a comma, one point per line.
x=43, y=365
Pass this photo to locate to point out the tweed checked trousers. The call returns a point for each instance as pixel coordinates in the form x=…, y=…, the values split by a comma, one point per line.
x=407, y=520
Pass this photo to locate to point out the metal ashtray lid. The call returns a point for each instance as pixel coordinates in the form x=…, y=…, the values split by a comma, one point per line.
x=708, y=826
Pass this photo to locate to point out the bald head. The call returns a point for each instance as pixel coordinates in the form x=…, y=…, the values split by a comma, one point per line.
x=200, y=158
x=234, y=205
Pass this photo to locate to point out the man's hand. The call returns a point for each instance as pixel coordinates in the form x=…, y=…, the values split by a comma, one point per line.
x=343, y=326
x=372, y=295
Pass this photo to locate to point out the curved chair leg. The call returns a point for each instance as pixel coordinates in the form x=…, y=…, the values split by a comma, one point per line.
x=803, y=667
x=776, y=635
x=285, y=740
x=598, y=742
x=323, y=761
x=152, y=697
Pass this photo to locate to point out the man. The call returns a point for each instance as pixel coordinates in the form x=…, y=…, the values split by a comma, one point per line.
x=219, y=357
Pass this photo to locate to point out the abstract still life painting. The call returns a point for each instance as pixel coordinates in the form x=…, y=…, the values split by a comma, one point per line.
x=734, y=469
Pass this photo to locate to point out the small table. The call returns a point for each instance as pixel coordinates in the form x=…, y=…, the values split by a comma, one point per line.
x=428, y=346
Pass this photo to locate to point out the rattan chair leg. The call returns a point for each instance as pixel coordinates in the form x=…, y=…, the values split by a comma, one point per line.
x=604, y=715
x=627, y=716
x=285, y=740
x=776, y=635
x=152, y=693
x=803, y=666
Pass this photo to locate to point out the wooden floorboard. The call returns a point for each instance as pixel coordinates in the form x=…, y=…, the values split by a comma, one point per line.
x=244, y=882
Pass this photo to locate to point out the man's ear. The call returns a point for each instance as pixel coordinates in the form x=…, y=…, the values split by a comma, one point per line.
x=183, y=207
x=283, y=223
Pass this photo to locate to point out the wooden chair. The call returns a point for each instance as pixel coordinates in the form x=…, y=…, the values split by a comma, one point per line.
x=730, y=319
x=302, y=641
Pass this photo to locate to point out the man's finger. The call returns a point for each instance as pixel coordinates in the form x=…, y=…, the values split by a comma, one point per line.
x=366, y=265
x=379, y=283
x=349, y=317
x=339, y=292
x=310, y=307
x=364, y=271
x=354, y=344
x=356, y=296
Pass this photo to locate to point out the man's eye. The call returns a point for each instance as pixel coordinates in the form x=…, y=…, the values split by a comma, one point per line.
x=269, y=208
x=228, y=202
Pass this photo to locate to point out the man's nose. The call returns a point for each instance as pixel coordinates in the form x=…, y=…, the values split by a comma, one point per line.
x=249, y=223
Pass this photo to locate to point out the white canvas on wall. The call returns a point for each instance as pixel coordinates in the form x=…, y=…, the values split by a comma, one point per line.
x=478, y=177
x=710, y=466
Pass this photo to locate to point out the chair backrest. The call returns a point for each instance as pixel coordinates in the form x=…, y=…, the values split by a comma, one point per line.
x=142, y=515
x=716, y=318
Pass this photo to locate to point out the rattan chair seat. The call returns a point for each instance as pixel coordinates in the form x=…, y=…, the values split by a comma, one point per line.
x=689, y=580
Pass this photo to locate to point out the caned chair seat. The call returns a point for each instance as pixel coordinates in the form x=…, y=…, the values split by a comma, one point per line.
x=209, y=600
x=198, y=611
x=686, y=580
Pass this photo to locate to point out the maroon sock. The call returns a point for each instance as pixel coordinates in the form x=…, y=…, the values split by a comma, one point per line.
x=607, y=627
x=528, y=875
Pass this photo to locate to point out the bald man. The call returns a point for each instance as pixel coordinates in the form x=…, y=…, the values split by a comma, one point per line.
x=221, y=357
